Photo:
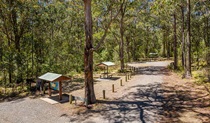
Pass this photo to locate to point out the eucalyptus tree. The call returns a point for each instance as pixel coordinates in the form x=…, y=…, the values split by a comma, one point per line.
x=14, y=18
x=188, y=73
x=89, y=47
x=172, y=8
x=163, y=10
x=202, y=9
x=199, y=31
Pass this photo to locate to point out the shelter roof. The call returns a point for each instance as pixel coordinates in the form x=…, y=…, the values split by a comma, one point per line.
x=106, y=64
x=52, y=77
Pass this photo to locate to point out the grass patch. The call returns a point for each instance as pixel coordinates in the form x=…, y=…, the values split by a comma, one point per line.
x=201, y=76
x=13, y=93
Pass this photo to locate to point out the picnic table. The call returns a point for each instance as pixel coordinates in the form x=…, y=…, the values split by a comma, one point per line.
x=106, y=75
x=106, y=66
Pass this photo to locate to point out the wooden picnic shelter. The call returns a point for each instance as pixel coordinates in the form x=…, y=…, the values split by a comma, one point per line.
x=54, y=77
x=106, y=66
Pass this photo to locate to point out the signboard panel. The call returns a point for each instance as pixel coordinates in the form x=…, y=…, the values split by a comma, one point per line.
x=54, y=85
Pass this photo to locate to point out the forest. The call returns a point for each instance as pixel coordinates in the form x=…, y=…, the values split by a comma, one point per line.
x=39, y=36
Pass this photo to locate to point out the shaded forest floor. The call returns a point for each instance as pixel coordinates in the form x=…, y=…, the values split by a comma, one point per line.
x=185, y=100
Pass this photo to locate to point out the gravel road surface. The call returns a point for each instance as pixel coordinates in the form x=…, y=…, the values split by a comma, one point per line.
x=137, y=101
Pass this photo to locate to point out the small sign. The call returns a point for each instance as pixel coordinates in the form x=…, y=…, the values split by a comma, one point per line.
x=54, y=85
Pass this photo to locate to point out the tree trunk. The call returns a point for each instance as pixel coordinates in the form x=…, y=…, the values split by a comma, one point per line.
x=188, y=49
x=10, y=62
x=168, y=49
x=183, y=40
x=146, y=52
x=167, y=42
x=164, y=45
x=175, y=44
x=207, y=42
x=122, y=37
x=128, y=49
x=88, y=55
x=1, y=50
x=133, y=50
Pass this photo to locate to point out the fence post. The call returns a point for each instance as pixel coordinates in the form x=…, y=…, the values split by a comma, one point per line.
x=112, y=87
x=128, y=76
x=70, y=99
x=104, y=94
x=121, y=82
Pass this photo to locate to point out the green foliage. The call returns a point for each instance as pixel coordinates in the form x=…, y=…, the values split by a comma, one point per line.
x=48, y=36
x=122, y=71
x=201, y=76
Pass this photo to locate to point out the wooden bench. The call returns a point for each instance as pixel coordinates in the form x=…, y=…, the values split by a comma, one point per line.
x=108, y=75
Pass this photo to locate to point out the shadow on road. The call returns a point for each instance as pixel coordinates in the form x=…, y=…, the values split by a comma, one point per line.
x=153, y=103
x=156, y=102
x=152, y=70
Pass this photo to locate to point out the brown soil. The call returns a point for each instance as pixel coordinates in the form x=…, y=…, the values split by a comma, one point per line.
x=186, y=101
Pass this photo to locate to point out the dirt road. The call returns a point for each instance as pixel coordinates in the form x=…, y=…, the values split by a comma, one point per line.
x=137, y=101
x=153, y=95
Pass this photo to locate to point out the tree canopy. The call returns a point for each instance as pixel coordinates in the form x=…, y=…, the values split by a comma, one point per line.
x=38, y=36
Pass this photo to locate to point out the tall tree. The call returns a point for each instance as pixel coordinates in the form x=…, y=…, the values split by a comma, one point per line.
x=121, y=46
x=88, y=54
x=183, y=37
x=188, y=44
x=88, y=51
x=175, y=44
x=15, y=20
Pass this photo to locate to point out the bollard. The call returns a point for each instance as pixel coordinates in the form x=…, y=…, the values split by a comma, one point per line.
x=126, y=79
x=104, y=94
x=70, y=99
x=127, y=76
x=121, y=82
x=112, y=87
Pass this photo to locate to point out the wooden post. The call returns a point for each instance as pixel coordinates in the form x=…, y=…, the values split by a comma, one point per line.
x=43, y=87
x=70, y=99
x=104, y=94
x=126, y=79
x=128, y=76
x=49, y=89
x=113, y=88
x=121, y=82
x=60, y=90
x=107, y=71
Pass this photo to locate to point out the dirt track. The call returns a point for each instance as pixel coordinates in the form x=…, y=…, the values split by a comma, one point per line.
x=153, y=95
